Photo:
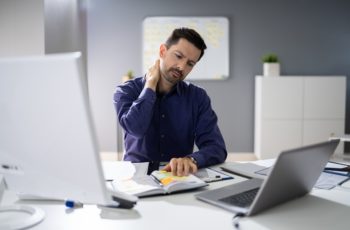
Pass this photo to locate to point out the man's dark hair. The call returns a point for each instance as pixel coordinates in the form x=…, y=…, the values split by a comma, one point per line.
x=190, y=35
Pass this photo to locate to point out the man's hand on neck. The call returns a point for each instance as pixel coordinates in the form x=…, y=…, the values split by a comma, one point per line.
x=153, y=76
x=154, y=80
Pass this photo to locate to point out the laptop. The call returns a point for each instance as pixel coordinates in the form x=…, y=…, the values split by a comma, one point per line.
x=48, y=144
x=293, y=175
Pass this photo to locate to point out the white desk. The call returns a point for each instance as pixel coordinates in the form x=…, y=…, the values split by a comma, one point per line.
x=322, y=210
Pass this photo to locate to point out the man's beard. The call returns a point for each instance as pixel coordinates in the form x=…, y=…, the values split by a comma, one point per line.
x=169, y=76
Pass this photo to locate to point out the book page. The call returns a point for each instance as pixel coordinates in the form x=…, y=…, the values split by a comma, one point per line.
x=138, y=186
x=173, y=183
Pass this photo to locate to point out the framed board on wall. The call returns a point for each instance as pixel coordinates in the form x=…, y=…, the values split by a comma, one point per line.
x=214, y=65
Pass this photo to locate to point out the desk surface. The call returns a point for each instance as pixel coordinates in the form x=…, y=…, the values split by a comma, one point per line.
x=323, y=209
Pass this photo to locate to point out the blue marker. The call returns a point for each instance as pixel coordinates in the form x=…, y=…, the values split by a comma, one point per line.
x=73, y=204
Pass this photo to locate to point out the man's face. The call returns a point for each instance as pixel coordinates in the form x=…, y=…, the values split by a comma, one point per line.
x=177, y=61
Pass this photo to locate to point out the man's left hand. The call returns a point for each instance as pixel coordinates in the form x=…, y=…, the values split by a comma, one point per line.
x=181, y=166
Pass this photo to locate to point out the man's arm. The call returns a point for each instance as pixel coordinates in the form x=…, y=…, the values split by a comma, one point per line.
x=135, y=111
x=209, y=140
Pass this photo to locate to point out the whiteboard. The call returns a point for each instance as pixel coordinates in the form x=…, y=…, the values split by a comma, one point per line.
x=214, y=65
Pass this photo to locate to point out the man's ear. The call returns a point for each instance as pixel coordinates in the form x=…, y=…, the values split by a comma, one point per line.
x=162, y=50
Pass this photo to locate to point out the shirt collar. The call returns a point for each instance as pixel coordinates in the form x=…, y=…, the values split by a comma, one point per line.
x=178, y=88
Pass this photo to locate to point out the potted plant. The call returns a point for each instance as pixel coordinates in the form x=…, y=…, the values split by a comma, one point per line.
x=271, y=65
x=129, y=75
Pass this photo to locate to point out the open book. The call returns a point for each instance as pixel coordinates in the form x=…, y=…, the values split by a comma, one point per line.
x=159, y=182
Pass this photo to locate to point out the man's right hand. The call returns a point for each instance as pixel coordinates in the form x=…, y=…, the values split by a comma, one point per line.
x=181, y=166
x=153, y=75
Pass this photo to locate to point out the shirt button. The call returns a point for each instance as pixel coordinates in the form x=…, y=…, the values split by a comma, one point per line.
x=163, y=115
x=162, y=136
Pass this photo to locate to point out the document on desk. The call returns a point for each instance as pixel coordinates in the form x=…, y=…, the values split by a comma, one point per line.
x=344, y=138
x=331, y=178
x=212, y=174
x=245, y=169
x=117, y=170
x=327, y=180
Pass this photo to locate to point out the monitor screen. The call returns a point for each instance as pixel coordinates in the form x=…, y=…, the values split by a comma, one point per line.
x=48, y=145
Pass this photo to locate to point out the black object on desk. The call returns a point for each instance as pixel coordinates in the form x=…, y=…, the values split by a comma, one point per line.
x=152, y=165
x=346, y=168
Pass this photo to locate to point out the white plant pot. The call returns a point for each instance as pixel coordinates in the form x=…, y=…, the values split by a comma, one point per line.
x=271, y=69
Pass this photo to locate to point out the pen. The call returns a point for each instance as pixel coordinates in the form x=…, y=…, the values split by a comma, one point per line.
x=344, y=169
x=221, y=176
x=208, y=180
x=155, y=179
x=235, y=219
x=73, y=204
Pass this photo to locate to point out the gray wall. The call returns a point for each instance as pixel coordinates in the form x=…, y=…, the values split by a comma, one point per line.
x=311, y=37
x=65, y=26
x=21, y=27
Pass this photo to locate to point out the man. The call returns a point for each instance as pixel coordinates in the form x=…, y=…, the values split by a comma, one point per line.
x=163, y=116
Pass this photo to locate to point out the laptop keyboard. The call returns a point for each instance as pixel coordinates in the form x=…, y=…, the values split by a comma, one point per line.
x=244, y=199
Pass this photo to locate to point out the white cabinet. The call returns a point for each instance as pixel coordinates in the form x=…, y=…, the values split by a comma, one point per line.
x=292, y=111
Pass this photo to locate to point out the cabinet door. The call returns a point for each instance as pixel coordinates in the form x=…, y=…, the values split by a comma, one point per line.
x=282, y=98
x=320, y=130
x=279, y=135
x=324, y=97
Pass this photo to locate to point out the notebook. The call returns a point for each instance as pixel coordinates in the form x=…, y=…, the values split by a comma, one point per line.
x=293, y=175
x=158, y=183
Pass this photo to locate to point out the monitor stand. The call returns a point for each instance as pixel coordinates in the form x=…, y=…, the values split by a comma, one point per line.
x=18, y=216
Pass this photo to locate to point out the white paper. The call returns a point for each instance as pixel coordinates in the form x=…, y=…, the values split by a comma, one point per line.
x=329, y=180
x=118, y=170
x=141, y=169
x=344, y=138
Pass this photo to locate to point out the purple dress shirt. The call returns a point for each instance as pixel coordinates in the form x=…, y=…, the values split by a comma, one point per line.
x=160, y=127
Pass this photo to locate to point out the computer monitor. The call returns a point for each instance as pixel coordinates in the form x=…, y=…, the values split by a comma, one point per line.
x=48, y=145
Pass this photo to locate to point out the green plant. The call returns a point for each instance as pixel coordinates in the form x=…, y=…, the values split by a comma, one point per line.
x=130, y=74
x=270, y=58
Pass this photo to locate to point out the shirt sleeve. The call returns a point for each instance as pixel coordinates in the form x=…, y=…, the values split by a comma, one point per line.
x=134, y=109
x=209, y=140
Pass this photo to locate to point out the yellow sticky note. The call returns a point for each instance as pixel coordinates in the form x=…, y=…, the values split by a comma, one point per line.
x=167, y=180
